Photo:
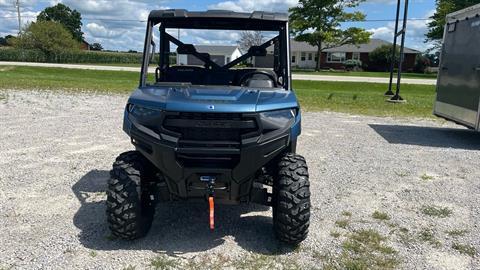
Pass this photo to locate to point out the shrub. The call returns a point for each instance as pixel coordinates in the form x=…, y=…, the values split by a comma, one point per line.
x=421, y=64
x=353, y=65
x=47, y=36
x=381, y=58
x=87, y=57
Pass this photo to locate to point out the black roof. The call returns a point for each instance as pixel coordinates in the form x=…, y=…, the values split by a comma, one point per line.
x=219, y=19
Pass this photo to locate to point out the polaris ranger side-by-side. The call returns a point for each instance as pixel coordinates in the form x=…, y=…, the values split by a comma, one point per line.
x=218, y=132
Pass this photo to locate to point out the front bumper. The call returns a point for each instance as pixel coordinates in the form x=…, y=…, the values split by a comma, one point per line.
x=233, y=165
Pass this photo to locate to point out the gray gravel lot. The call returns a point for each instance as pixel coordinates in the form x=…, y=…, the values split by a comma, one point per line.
x=422, y=176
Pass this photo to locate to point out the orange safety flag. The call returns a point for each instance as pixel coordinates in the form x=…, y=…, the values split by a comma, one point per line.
x=212, y=221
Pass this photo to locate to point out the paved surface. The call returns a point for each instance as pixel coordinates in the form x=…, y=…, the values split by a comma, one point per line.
x=304, y=77
x=57, y=150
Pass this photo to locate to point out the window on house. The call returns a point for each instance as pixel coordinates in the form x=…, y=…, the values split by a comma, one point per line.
x=355, y=56
x=304, y=56
x=294, y=59
x=316, y=57
x=336, y=57
x=310, y=57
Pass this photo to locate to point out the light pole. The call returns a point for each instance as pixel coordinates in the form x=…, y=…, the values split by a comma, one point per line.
x=17, y=5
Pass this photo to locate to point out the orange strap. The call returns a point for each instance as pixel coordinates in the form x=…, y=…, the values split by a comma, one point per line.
x=212, y=221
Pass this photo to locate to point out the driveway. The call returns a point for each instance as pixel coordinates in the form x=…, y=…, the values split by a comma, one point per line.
x=386, y=193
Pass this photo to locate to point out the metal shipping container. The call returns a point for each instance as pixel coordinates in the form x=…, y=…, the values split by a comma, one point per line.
x=458, y=86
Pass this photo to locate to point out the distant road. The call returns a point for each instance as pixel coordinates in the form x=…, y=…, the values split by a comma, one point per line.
x=332, y=78
x=304, y=77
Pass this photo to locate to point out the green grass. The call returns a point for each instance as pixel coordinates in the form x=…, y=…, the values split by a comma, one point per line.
x=70, y=79
x=335, y=234
x=380, y=215
x=437, y=211
x=342, y=223
x=163, y=262
x=428, y=236
x=365, y=74
x=348, y=97
x=364, y=98
x=93, y=253
x=465, y=249
x=426, y=177
x=457, y=232
x=366, y=249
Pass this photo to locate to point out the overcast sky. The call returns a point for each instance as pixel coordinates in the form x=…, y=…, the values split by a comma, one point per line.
x=120, y=24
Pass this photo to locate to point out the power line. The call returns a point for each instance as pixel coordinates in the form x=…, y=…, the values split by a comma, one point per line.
x=133, y=20
x=84, y=18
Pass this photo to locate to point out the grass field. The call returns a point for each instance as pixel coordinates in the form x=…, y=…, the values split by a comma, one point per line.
x=311, y=72
x=348, y=97
x=366, y=74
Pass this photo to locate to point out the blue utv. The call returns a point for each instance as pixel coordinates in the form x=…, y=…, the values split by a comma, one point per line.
x=212, y=127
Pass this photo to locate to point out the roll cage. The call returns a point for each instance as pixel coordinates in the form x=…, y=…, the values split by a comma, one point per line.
x=216, y=20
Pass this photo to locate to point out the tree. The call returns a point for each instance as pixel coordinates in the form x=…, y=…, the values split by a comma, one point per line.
x=434, y=58
x=422, y=62
x=4, y=40
x=249, y=39
x=318, y=23
x=444, y=7
x=70, y=19
x=96, y=47
x=47, y=36
x=381, y=58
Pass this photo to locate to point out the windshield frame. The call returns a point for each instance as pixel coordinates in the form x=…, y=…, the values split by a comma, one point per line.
x=283, y=39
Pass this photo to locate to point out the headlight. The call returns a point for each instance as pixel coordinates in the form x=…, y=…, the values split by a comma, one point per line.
x=142, y=112
x=272, y=120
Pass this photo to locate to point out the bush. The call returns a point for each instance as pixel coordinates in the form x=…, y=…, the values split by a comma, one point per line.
x=381, y=58
x=47, y=36
x=69, y=57
x=353, y=65
x=86, y=57
x=421, y=64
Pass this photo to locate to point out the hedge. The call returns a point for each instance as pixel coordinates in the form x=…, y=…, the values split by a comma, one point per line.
x=90, y=57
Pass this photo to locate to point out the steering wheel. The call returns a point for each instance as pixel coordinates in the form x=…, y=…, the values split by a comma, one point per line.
x=244, y=79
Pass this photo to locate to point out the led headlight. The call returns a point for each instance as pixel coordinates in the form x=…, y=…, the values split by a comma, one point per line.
x=142, y=112
x=272, y=120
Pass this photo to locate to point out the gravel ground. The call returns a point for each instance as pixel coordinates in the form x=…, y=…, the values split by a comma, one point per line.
x=422, y=176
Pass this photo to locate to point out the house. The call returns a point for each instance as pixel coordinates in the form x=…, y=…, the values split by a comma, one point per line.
x=303, y=55
x=84, y=45
x=220, y=54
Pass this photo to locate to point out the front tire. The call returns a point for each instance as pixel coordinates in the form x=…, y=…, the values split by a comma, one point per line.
x=291, y=200
x=130, y=204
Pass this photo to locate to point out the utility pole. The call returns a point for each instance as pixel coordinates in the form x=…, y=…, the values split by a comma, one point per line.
x=17, y=5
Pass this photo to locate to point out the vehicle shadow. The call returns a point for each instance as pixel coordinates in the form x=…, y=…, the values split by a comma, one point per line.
x=179, y=227
x=429, y=136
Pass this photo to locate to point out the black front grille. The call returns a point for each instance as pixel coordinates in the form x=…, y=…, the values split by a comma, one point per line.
x=210, y=126
x=209, y=138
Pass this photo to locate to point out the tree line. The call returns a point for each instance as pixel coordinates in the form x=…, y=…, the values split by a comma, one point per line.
x=58, y=29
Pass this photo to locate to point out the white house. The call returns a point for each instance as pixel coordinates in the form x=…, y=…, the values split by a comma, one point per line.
x=220, y=54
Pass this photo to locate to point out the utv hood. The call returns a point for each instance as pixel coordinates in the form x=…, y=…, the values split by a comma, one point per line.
x=213, y=98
